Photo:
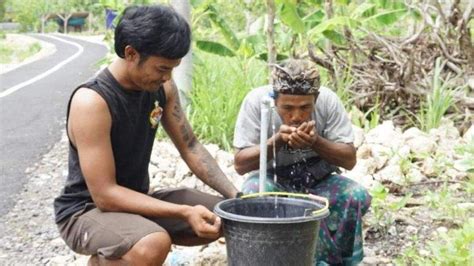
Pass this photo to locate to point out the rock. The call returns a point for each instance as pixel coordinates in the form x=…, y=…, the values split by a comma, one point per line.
x=225, y=159
x=391, y=173
x=418, y=141
x=392, y=230
x=361, y=169
x=468, y=206
x=364, y=152
x=154, y=159
x=152, y=170
x=468, y=136
x=358, y=136
x=455, y=174
x=381, y=154
x=182, y=170
x=57, y=242
x=61, y=260
x=411, y=230
x=442, y=230
x=212, y=149
x=428, y=167
x=386, y=135
x=415, y=175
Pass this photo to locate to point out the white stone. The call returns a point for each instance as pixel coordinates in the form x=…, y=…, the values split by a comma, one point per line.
x=363, y=168
x=442, y=230
x=364, y=151
x=411, y=230
x=60, y=260
x=428, y=167
x=391, y=173
x=154, y=159
x=418, y=141
x=468, y=206
x=392, y=230
x=182, y=170
x=212, y=149
x=386, y=135
x=400, y=154
x=57, y=242
x=468, y=136
x=358, y=136
x=152, y=170
x=454, y=174
x=381, y=154
x=415, y=175
x=224, y=159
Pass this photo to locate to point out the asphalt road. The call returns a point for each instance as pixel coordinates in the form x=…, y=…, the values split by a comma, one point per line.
x=33, y=116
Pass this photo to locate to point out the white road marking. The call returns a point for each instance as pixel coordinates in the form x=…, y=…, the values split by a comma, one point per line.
x=46, y=73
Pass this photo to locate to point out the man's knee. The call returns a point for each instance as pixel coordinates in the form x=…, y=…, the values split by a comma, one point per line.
x=150, y=250
x=360, y=197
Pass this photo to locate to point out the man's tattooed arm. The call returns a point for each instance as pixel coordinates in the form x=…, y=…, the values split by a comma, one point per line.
x=193, y=152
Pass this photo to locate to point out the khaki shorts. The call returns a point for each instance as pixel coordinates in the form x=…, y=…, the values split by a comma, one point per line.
x=112, y=234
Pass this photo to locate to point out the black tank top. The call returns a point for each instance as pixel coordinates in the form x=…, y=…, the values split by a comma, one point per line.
x=132, y=136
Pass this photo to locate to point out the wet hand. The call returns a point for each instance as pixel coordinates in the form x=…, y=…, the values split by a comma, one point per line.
x=304, y=137
x=284, y=133
x=204, y=222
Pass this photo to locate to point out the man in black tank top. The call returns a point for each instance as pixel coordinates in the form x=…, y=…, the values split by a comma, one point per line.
x=104, y=209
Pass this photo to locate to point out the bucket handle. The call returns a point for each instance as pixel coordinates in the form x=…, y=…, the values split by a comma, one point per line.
x=298, y=195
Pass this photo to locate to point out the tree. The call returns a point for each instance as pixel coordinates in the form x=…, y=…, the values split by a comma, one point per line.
x=183, y=73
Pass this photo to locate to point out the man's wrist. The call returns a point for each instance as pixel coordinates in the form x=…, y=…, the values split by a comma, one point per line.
x=316, y=143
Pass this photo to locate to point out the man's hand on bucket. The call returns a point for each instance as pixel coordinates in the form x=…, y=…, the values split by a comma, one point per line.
x=204, y=222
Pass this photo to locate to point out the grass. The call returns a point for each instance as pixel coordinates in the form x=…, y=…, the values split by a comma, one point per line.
x=10, y=53
x=438, y=102
x=219, y=86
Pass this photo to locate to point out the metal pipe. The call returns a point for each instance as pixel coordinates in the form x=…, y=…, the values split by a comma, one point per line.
x=265, y=106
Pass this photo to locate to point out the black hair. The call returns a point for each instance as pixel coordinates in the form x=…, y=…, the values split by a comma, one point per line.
x=154, y=30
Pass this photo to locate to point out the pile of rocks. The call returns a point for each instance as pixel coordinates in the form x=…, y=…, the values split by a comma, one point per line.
x=385, y=153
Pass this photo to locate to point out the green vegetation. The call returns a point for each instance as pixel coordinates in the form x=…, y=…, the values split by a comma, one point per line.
x=438, y=102
x=218, y=90
x=450, y=248
x=12, y=53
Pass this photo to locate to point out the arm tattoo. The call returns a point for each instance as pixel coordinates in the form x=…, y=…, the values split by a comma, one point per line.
x=184, y=127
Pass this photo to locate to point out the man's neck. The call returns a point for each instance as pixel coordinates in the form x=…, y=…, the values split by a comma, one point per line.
x=118, y=69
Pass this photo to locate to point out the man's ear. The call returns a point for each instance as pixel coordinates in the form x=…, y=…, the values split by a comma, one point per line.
x=316, y=96
x=131, y=54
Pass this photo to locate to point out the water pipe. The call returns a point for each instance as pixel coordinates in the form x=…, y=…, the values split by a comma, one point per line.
x=265, y=115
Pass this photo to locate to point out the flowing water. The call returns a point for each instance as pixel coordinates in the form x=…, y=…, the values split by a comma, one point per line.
x=275, y=180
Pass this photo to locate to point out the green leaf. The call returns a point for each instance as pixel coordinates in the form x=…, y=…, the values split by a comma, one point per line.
x=387, y=17
x=264, y=57
x=215, y=48
x=289, y=16
x=313, y=19
x=343, y=2
x=332, y=24
x=335, y=37
x=362, y=9
x=224, y=28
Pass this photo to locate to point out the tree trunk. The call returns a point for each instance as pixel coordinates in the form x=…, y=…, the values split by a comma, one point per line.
x=90, y=22
x=270, y=35
x=43, y=19
x=183, y=74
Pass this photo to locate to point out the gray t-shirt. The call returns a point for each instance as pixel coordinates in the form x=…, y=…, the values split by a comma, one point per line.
x=332, y=123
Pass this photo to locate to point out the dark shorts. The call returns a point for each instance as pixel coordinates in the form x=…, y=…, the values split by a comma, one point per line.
x=112, y=234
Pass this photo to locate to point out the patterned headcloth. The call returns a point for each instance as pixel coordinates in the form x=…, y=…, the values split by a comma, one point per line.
x=296, y=76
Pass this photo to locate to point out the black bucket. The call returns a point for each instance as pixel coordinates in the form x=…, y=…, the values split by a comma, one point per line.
x=259, y=232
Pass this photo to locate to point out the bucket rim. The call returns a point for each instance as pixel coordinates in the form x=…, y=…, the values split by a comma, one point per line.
x=266, y=220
